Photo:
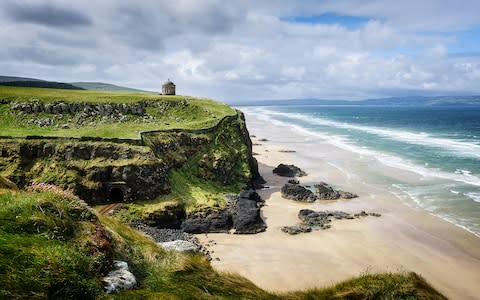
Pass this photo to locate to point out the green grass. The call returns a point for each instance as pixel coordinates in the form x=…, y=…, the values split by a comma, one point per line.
x=45, y=243
x=199, y=113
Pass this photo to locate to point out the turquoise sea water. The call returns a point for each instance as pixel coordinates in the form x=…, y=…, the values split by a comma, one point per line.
x=439, y=144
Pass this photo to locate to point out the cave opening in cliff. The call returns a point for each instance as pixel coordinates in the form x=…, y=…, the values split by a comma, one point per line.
x=116, y=195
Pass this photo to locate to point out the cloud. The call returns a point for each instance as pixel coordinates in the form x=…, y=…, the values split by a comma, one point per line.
x=247, y=49
x=46, y=14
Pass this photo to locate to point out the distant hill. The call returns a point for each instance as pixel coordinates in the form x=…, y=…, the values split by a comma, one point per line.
x=15, y=78
x=393, y=101
x=40, y=83
x=100, y=86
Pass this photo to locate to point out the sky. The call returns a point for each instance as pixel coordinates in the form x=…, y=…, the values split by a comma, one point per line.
x=249, y=50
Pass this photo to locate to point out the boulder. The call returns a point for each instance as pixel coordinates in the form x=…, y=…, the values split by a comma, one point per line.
x=288, y=171
x=180, y=246
x=246, y=217
x=119, y=279
x=298, y=193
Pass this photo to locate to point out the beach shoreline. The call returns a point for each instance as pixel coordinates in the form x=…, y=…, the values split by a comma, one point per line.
x=403, y=239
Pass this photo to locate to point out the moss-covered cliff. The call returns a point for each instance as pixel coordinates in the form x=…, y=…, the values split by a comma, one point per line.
x=218, y=156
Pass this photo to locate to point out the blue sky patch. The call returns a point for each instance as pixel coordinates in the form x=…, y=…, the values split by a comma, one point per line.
x=350, y=22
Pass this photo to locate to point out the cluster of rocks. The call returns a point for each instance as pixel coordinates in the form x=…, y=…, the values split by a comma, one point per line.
x=60, y=107
x=288, y=171
x=294, y=191
x=161, y=235
x=242, y=214
x=311, y=219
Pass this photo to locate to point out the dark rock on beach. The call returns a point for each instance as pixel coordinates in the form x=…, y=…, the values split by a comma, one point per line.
x=242, y=214
x=246, y=217
x=208, y=220
x=313, y=218
x=298, y=193
x=288, y=171
x=326, y=192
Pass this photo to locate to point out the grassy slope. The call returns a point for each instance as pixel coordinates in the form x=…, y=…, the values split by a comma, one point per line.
x=46, y=243
x=45, y=247
x=200, y=113
x=100, y=86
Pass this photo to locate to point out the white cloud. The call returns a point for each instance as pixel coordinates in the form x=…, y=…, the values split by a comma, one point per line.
x=240, y=50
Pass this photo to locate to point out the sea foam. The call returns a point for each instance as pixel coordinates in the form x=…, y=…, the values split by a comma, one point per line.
x=463, y=148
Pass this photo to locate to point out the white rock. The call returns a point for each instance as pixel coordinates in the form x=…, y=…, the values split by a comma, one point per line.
x=180, y=246
x=120, y=278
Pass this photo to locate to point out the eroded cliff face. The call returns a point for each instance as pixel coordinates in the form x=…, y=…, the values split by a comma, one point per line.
x=107, y=170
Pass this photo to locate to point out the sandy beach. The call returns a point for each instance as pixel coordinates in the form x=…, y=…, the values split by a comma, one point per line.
x=403, y=239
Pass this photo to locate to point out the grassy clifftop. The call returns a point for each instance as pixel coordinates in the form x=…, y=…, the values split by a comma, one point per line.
x=71, y=113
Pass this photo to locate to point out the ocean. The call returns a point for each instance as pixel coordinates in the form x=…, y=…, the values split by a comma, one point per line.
x=439, y=145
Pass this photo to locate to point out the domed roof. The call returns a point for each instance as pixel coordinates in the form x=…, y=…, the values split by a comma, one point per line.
x=168, y=82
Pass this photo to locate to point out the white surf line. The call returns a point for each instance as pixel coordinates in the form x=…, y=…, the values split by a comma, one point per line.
x=424, y=139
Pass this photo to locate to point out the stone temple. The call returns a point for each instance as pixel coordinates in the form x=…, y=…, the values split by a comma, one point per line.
x=168, y=88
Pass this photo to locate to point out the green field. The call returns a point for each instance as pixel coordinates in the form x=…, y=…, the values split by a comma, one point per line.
x=163, y=112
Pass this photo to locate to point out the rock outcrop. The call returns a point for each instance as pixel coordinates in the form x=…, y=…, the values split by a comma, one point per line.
x=297, y=192
x=242, y=214
x=288, y=171
x=88, y=109
x=326, y=192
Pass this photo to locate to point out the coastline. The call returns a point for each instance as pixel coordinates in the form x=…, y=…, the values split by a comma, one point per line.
x=403, y=239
